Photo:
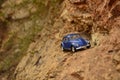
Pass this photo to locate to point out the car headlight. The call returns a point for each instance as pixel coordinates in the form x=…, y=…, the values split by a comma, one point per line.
x=87, y=41
x=75, y=44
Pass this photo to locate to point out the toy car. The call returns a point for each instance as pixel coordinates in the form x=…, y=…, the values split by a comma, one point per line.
x=74, y=42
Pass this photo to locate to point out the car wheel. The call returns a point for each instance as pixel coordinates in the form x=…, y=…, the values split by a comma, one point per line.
x=88, y=46
x=73, y=49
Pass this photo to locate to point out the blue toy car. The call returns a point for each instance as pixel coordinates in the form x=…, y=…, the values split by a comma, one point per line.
x=74, y=42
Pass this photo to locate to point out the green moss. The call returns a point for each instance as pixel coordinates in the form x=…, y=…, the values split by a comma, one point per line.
x=8, y=45
x=5, y=65
x=23, y=43
x=1, y=1
x=13, y=57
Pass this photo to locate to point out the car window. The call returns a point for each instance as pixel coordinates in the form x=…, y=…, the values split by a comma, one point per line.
x=65, y=39
x=75, y=36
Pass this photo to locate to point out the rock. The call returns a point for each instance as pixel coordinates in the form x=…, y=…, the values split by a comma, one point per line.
x=118, y=68
x=20, y=14
x=117, y=57
x=77, y=1
x=18, y=2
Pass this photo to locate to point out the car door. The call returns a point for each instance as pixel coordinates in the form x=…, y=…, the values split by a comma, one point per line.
x=67, y=43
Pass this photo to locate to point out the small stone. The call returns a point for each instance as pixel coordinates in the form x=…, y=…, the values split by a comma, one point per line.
x=20, y=14
x=77, y=1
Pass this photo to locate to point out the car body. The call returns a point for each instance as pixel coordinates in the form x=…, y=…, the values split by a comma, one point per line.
x=74, y=42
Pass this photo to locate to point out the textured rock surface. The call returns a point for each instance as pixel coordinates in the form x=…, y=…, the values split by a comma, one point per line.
x=97, y=20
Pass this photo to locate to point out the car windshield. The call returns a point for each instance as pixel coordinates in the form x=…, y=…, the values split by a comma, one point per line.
x=75, y=36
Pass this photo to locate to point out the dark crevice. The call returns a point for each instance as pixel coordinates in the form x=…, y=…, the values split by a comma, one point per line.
x=111, y=3
x=1, y=2
x=116, y=12
x=3, y=32
x=37, y=62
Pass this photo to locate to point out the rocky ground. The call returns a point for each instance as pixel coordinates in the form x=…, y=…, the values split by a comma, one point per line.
x=43, y=59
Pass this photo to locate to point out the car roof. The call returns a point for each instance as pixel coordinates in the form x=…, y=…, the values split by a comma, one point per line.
x=69, y=35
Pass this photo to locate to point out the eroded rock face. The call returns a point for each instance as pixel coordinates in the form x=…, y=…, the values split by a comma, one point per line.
x=97, y=19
